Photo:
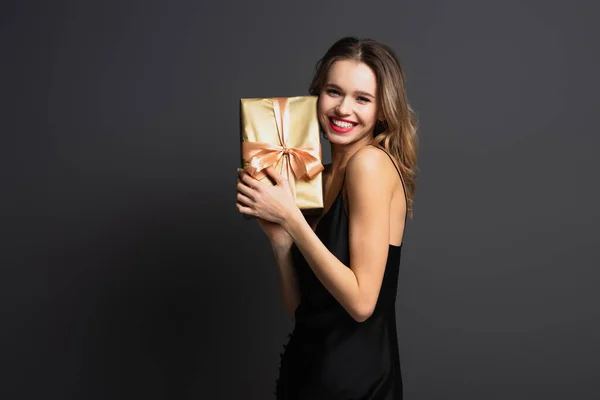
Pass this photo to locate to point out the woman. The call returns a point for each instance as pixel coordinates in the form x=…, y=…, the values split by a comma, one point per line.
x=338, y=276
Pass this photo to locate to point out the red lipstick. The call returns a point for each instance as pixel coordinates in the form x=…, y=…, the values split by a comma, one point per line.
x=339, y=129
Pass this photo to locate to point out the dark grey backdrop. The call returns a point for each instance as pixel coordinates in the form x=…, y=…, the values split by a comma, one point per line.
x=127, y=272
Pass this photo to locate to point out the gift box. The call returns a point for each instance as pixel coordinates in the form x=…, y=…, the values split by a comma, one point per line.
x=283, y=132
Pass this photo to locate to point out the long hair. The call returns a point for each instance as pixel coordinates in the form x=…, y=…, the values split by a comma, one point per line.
x=398, y=132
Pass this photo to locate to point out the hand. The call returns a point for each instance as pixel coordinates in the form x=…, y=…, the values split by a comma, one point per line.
x=272, y=203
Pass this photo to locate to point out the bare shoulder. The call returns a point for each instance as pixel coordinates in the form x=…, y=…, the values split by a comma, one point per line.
x=372, y=165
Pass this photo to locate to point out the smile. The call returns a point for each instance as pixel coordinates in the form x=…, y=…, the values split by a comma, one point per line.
x=340, y=125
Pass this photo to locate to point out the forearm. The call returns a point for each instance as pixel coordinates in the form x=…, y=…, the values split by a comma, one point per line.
x=286, y=280
x=336, y=277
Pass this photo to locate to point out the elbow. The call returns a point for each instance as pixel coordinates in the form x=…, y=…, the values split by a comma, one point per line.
x=292, y=314
x=291, y=310
x=361, y=314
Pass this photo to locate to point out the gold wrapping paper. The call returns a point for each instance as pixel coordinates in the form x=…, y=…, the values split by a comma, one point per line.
x=284, y=132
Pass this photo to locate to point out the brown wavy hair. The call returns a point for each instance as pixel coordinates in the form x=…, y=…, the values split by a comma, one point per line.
x=397, y=133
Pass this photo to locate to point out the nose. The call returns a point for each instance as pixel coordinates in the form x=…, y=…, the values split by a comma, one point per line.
x=343, y=107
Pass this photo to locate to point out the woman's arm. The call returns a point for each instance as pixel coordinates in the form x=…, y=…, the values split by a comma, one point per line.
x=286, y=280
x=369, y=184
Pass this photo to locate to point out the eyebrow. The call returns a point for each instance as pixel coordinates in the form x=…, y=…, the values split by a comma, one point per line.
x=357, y=92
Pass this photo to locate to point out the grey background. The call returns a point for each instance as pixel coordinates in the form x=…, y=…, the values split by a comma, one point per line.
x=128, y=273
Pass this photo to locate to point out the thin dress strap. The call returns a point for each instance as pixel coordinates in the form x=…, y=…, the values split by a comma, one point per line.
x=401, y=178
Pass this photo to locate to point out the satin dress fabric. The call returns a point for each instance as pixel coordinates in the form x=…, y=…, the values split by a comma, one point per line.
x=330, y=355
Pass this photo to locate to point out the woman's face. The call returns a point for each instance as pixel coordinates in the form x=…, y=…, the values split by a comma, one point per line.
x=347, y=103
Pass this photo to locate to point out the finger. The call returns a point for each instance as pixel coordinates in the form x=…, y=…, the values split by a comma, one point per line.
x=241, y=173
x=244, y=189
x=273, y=174
x=248, y=180
x=245, y=209
x=244, y=199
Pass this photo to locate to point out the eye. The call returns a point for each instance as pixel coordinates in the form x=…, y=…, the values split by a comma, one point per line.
x=332, y=92
x=362, y=99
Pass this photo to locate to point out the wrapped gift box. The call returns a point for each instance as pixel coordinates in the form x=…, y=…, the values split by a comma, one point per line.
x=283, y=132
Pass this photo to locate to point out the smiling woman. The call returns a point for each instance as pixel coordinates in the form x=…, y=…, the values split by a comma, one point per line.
x=347, y=105
x=339, y=279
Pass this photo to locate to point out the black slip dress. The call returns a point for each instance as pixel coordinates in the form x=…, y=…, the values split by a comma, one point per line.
x=330, y=355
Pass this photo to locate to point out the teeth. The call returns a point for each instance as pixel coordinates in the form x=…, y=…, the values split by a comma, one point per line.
x=342, y=124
